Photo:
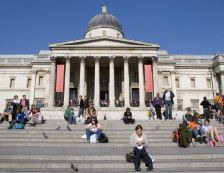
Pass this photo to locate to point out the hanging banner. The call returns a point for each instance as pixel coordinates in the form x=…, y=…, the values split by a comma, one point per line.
x=60, y=78
x=148, y=78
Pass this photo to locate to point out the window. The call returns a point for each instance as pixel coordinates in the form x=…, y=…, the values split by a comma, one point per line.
x=9, y=101
x=41, y=80
x=179, y=105
x=208, y=83
x=28, y=83
x=177, y=83
x=39, y=104
x=165, y=80
x=192, y=83
x=12, y=83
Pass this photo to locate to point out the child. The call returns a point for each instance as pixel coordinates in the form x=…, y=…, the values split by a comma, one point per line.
x=36, y=118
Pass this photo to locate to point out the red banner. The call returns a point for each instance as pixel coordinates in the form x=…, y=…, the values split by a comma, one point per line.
x=60, y=78
x=148, y=78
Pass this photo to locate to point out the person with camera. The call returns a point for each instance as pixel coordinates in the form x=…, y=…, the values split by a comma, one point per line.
x=128, y=117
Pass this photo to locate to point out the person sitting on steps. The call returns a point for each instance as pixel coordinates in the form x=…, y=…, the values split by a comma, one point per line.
x=19, y=118
x=187, y=117
x=211, y=132
x=93, y=128
x=128, y=117
x=221, y=117
x=7, y=114
x=36, y=118
x=69, y=115
x=139, y=143
x=196, y=130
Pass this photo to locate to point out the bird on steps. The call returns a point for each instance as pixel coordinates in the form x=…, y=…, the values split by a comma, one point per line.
x=74, y=168
x=58, y=128
x=68, y=128
x=45, y=135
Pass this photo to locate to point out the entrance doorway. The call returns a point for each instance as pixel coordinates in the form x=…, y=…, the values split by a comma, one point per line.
x=135, y=93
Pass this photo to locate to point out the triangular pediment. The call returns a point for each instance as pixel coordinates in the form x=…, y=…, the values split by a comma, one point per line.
x=104, y=42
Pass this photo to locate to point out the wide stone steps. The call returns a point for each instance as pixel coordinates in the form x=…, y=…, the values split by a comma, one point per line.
x=56, y=154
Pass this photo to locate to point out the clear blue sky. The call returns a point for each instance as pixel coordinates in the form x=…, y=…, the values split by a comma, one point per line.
x=179, y=26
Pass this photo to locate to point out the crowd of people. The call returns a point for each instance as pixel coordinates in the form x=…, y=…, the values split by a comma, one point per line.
x=17, y=112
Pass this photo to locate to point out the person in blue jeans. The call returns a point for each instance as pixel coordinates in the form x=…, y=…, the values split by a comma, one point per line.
x=168, y=101
x=19, y=118
x=93, y=128
x=196, y=130
x=69, y=115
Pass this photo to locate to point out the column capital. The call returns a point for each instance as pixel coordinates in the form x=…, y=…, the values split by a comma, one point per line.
x=140, y=59
x=48, y=71
x=53, y=59
x=68, y=58
x=154, y=59
x=172, y=72
x=97, y=58
x=126, y=58
x=82, y=58
x=111, y=58
x=33, y=71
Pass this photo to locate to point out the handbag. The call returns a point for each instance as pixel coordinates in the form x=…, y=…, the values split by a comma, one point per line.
x=130, y=157
x=103, y=138
x=93, y=138
x=19, y=126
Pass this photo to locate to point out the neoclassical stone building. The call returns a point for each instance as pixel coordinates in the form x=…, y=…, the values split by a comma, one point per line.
x=106, y=66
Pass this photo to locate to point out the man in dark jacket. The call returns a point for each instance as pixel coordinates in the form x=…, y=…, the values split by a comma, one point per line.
x=168, y=101
x=81, y=107
x=187, y=117
x=206, y=107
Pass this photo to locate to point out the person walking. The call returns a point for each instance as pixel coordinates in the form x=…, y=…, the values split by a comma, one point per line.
x=81, y=108
x=168, y=101
x=219, y=104
x=157, y=103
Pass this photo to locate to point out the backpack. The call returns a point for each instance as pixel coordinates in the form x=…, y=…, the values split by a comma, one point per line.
x=176, y=135
x=130, y=157
x=103, y=138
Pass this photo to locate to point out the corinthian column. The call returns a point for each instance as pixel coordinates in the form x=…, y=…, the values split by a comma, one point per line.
x=126, y=82
x=67, y=82
x=111, y=81
x=97, y=82
x=141, y=82
x=32, y=87
x=52, y=82
x=82, y=76
x=155, y=77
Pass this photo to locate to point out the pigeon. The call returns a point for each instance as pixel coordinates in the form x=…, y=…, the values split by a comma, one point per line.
x=45, y=135
x=74, y=168
x=105, y=117
x=68, y=128
x=58, y=128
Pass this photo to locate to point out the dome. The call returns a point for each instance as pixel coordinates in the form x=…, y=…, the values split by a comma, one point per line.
x=104, y=20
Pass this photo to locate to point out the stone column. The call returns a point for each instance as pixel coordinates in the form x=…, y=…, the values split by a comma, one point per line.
x=97, y=82
x=126, y=82
x=82, y=76
x=52, y=82
x=155, y=76
x=32, y=87
x=141, y=82
x=174, y=89
x=67, y=82
x=111, y=89
x=47, y=89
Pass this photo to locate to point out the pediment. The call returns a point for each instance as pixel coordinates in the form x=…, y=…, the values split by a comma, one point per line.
x=103, y=42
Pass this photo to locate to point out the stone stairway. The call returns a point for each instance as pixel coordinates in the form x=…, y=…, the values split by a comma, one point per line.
x=28, y=151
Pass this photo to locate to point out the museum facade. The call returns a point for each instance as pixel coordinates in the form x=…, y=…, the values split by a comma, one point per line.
x=106, y=67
